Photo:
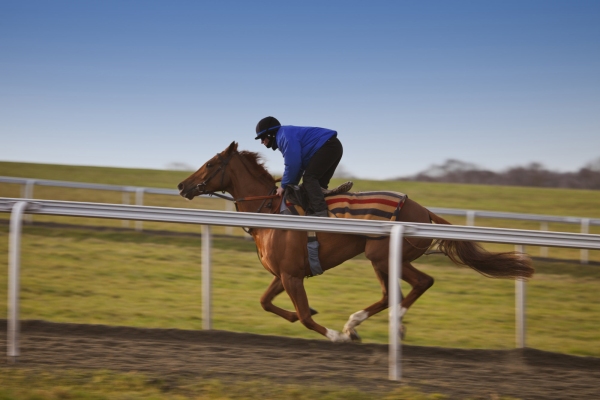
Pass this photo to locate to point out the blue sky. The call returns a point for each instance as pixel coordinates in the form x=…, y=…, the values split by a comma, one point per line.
x=406, y=84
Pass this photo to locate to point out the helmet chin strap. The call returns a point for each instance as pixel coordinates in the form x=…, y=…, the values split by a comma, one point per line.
x=272, y=142
x=274, y=145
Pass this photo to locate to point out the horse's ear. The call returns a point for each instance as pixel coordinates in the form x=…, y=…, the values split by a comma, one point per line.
x=232, y=147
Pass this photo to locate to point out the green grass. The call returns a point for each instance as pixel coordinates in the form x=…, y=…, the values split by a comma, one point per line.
x=27, y=384
x=136, y=279
x=105, y=175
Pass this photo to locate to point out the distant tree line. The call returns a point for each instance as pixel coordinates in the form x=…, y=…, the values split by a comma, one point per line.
x=534, y=174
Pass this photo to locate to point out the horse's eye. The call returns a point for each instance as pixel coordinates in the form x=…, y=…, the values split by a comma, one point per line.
x=208, y=165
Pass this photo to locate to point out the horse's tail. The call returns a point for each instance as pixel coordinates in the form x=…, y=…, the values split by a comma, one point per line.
x=494, y=265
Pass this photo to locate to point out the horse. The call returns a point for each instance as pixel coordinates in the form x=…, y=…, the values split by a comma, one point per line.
x=284, y=252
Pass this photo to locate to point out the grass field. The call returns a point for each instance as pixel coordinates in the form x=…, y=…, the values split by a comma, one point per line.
x=152, y=280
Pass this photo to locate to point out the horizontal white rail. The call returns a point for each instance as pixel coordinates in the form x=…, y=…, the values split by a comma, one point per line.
x=293, y=222
x=437, y=210
x=515, y=216
x=83, y=185
x=28, y=188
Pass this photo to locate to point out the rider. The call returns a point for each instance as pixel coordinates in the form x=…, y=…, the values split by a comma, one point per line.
x=308, y=153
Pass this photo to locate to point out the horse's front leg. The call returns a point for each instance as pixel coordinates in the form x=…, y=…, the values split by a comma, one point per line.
x=294, y=286
x=266, y=301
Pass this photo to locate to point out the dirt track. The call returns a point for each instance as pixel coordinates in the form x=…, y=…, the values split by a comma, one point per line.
x=528, y=374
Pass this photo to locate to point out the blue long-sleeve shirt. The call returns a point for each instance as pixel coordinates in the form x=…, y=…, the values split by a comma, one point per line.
x=298, y=144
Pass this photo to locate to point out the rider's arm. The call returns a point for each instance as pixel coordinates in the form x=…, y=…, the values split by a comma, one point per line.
x=292, y=158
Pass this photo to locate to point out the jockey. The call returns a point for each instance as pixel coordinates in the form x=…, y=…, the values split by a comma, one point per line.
x=308, y=153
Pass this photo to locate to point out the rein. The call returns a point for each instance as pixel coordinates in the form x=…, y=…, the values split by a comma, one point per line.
x=247, y=198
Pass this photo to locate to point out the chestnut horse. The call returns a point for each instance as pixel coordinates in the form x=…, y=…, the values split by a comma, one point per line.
x=284, y=252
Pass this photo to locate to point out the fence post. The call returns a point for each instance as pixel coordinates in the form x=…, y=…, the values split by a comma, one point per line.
x=139, y=201
x=544, y=250
x=395, y=274
x=229, y=207
x=585, y=228
x=125, y=201
x=14, y=265
x=206, y=277
x=470, y=218
x=27, y=193
x=520, y=306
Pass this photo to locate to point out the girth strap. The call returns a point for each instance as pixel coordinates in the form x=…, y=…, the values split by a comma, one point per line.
x=313, y=255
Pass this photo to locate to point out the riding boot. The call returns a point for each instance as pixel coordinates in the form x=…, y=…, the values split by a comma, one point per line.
x=323, y=213
x=318, y=206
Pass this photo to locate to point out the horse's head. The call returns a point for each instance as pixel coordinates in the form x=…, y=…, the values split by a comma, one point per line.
x=211, y=177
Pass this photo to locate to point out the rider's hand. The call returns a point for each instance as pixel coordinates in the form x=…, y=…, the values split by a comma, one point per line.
x=280, y=191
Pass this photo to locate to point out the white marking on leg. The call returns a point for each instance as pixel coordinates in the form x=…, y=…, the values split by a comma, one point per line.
x=355, y=320
x=401, y=311
x=336, y=336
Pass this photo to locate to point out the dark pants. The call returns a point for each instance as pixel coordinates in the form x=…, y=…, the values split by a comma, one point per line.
x=319, y=171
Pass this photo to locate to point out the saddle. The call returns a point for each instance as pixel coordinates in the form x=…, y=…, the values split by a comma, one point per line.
x=381, y=206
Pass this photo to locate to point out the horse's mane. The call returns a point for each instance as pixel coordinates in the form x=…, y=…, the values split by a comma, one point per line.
x=258, y=163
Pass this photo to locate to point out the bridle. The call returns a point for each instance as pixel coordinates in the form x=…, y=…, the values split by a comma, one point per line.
x=202, y=185
x=224, y=162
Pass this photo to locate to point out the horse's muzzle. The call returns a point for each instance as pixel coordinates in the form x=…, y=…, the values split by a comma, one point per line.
x=188, y=193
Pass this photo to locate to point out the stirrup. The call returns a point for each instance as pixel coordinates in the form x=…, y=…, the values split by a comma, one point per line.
x=343, y=188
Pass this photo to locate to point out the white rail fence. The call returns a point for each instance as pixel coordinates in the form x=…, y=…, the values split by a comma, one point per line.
x=397, y=230
x=470, y=215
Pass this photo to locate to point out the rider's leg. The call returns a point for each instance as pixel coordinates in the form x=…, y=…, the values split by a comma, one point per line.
x=318, y=173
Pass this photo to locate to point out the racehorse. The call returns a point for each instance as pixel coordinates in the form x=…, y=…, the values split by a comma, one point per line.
x=284, y=252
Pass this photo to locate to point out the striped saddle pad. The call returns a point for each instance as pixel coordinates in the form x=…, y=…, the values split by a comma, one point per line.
x=382, y=206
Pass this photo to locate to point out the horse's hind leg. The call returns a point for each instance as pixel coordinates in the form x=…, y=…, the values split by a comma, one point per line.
x=418, y=280
x=358, y=317
x=266, y=301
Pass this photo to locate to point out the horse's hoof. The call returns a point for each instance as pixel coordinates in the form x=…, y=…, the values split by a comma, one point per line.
x=336, y=336
x=353, y=335
x=313, y=311
x=402, y=332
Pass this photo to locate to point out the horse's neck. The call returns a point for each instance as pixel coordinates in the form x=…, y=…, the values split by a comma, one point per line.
x=246, y=183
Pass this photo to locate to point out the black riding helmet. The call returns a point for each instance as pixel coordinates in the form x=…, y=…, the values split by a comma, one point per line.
x=268, y=127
